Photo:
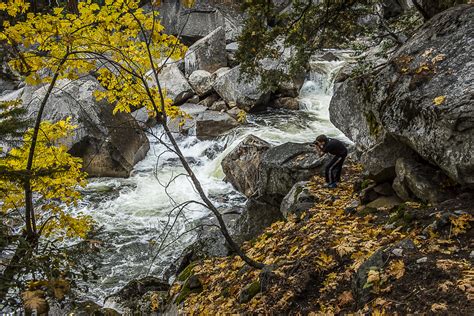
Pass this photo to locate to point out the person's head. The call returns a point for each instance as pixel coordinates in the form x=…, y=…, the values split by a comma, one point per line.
x=321, y=140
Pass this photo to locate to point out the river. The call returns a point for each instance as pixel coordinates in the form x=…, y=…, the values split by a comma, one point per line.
x=133, y=212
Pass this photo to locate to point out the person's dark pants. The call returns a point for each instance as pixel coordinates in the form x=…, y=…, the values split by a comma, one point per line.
x=334, y=169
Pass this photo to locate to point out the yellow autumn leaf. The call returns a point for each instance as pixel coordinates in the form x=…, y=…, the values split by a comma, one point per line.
x=439, y=100
x=373, y=276
x=438, y=307
x=396, y=269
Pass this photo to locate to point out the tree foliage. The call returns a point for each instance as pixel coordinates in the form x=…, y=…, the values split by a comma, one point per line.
x=306, y=27
x=126, y=49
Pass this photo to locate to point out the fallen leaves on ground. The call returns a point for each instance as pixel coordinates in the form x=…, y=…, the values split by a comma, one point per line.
x=315, y=258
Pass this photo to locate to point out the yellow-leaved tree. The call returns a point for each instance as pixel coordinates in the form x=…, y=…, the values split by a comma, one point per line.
x=126, y=48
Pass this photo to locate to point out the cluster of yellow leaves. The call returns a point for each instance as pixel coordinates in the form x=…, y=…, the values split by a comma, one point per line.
x=325, y=236
x=112, y=38
x=55, y=178
x=14, y=7
x=325, y=242
x=426, y=65
x=460, y=224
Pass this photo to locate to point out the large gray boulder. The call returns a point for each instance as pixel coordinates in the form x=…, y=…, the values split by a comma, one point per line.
x=241, y=166
x=211, y=124
x=207, y=54
x=246, y=95
x=421, y=101
x=284, y=165
x=177, y=87
x=110, y=145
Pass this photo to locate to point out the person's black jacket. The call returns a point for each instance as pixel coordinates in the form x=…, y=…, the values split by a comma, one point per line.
x=335, y=147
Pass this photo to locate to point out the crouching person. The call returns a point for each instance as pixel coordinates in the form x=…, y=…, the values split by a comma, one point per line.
x=339, y=151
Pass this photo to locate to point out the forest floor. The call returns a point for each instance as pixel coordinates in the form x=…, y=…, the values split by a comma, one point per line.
x=338, y=259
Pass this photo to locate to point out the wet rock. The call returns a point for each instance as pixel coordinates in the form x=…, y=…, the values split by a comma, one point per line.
x=241, y=165
x=207, y=54
x=394, y=109
x=288, y=103
x=284, y=165
x=201, y=81
x=329, y=57
x=246, y=95
x=421, y=180
x=131, y=298
x=177, y=87
x=234, y=112
x=343, y=74
x=211, y=124
x=257, y=216
x=110, y=145
x=298, y=200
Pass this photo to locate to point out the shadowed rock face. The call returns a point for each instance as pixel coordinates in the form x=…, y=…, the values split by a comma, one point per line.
x=110, y=145
x=422, y=101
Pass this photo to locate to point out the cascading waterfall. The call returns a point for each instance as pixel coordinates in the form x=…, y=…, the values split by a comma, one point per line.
x=134, y=211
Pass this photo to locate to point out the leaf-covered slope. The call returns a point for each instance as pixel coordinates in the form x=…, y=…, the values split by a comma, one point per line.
x=335, y=259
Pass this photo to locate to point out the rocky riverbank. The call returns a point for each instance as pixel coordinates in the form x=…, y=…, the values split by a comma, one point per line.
x=395, y=233
x=395, y=237
x=337, y=256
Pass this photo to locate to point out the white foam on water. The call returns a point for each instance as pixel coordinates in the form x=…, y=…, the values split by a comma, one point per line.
x=134, y=211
